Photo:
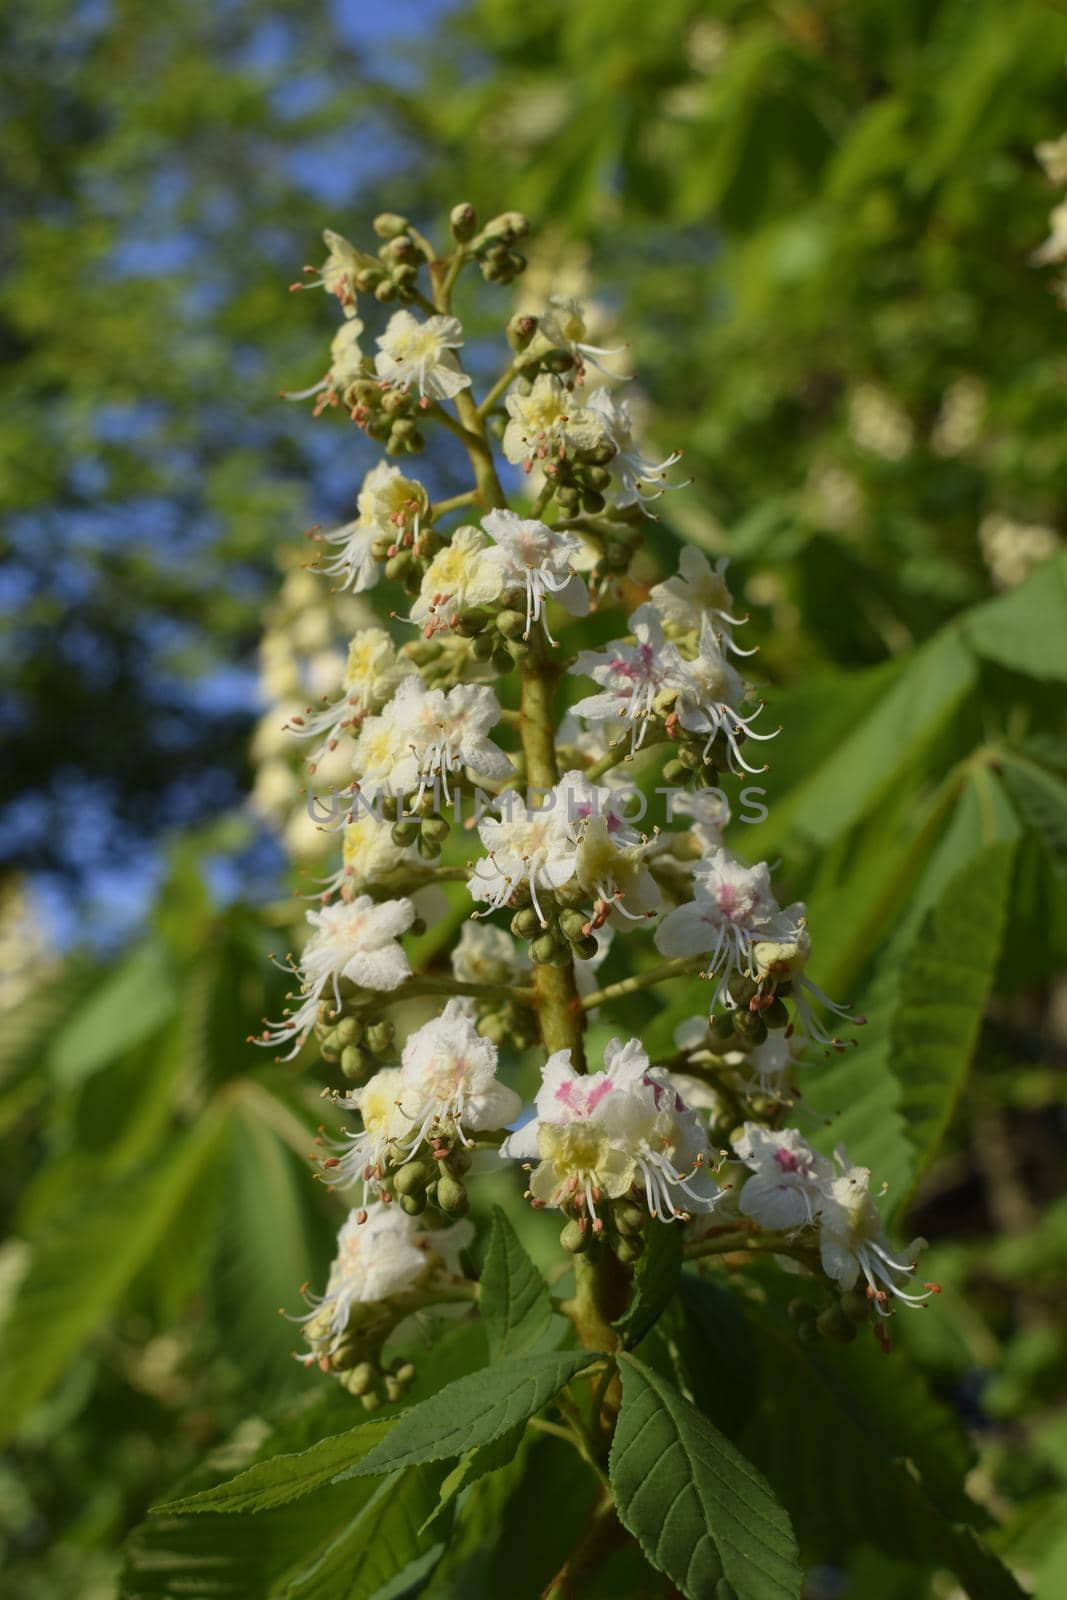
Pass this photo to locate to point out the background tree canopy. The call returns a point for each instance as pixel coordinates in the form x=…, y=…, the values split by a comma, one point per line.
x=813, y=224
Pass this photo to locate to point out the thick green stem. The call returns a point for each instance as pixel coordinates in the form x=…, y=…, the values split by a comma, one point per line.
x=601, y=1534
x=558, y=1006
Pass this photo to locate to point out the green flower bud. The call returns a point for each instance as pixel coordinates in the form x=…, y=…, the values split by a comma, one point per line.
x=483, y=646
x=411, y=1178
x=510, y=623
x=349, y=1031
x=690, y=757
x=362, y=1379
x=384, y=291
x=575, y=1237
x=628, y=1249
x=381, y=547
x=629, y=1218
x=460, y=1161
x=397, y=565
x=557, y=361
x=585, y=949
x=436, y=828
x=494, y=1028
x=526, y=924
x=572, y=925
x=675, y=772
x=507, y=227
x=470, y=622
x=776, y=1015
x=380, y=1036
x=428, y=849
x=330, y=1047
x=406, y=831
x=387, y=225
x=750, y=1026
x=452, y=1196
x=370, y=1401
x=547, y=949
x=462, y=221
x=353, y=1065
x=502, y=661
x=593, y=502
x=520, y=330
x=722, y=1026
x=412, y=1205
x=600, y=478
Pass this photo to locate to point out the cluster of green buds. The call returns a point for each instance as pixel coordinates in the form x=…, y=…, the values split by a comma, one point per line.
x=354, y=1036
x=620, y=1226
x=493, y=247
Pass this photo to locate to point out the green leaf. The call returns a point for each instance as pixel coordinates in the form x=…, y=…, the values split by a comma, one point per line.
x=133, y=1001
x=942, y=997
x=872, y=757
x=1041, y=801
x=724, y=1388
x=475, y=1464
x=80, y=1272
x=1026, y=630
x=383, y=1552
x=514, y=1301
x=861, y=1453
x=655, y=1280
x=282, y=1478
x=699, y=1510
x=474, y=1410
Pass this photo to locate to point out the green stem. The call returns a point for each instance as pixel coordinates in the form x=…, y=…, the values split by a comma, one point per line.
x=602, y=1532
x=493, y=395
x=617, y=753
x=441, y=507
x=643, y=980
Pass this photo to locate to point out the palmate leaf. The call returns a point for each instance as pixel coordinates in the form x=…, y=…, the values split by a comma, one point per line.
x=473, y=1410
x=131, y=1003
x=701, y=1513
x=79, y=1273
x=383, y=1551
x=860, y=1453
x=889, y=1099
x=280, y=1479
x=515, y=1303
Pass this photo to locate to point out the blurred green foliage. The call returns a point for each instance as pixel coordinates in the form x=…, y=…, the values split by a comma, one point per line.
x=813, y=223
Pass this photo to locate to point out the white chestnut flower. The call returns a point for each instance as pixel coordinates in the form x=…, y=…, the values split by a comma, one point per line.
x=524, y=847
x=448, y=1082
x=709, y=699
x=637, y=478
x=424, y=735
x=382, y=1255
x=624, y=1130
x=355, y=940
x=419, y=354
x=698, y=591
x=732, y=906
x=789, y=1181
x=339, y=271
x=384, y=1123
x=852, y=1242
x=549, y=422
x=1055, y=246
x=1052, y=154
x=373, y=672
x=539, y=560
x=346, y=367
x=468, y=571
x=632, y=677
x=388, y=503
x=562, y=326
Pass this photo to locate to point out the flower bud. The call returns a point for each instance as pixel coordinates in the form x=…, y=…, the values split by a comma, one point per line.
x=387, y=225
x=413, y=1205
x=405, y=832
x=380, y=1036
x=482, y=647
x=462, y=221
x=629, y=1218
x=452, y=1196
x=362, y=1379
x=507, y=227
x=675, y=772
x=353, y=1064
x=572, y=925
x=411, y=1178
x=750, y=1026
x=526, y=924
x=470, y=622
x=428, y=849
x=381, y=547
x=502, y=661
x=349, y=1031
x=520, y=331
x=585, y=949
x=629, y=1250
x=557, y=361
x=776, y=1015
x=575, y=1237
x=510, y=623
x=397, y=565
x=435, y=828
